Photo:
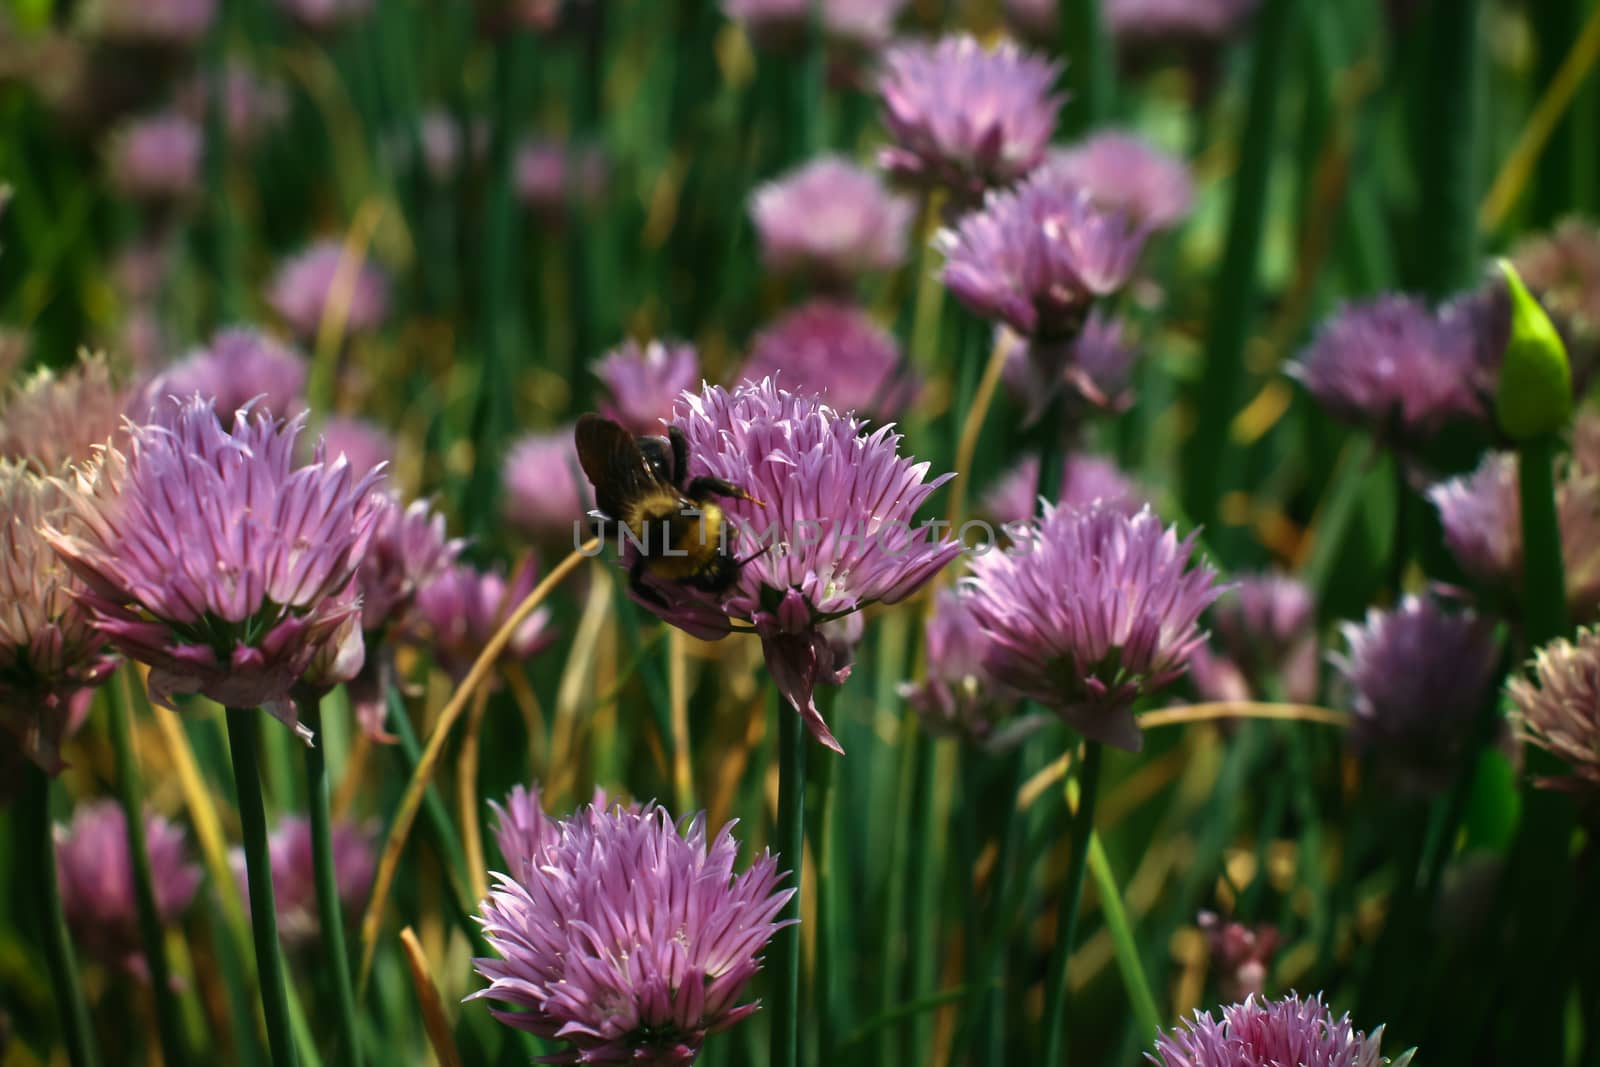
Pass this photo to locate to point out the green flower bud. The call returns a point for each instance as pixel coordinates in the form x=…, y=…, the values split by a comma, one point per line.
x=1535, y=392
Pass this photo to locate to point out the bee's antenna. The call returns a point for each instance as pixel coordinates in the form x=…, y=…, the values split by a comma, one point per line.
x=756, y=555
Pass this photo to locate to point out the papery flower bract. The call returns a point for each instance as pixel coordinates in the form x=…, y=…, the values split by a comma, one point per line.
x=239, y=366
x=956, y=697
x=50, y=653
x=159, y=23
x=966, y=117
x=838, y=351
x=545, y=494
x=1270, y=1033
x=1085, y=480
x=462, y=608
x=96, y=877
x=1176, y=20
x=54, y=418
x=294, y=875
x=831, y=221
x=1125, y=173
x=1558, y=709
x=303, y=291
x=211, y=557
x=643, y=382
x=1089, y=610
x=156, y=158
x=834, y=536
x=626, y=939
x=1419, y=680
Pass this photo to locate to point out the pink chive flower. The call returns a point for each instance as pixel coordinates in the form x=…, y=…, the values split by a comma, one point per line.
x=1176, y=20
x=363, y=443
x=1085, y=480
x=956, y=697
x=159, y=23
x=838, y=351
x=1088, y=611
x=325, y=16
x=836, y=533
x=1558, y=709
x=830, y=221
x=522, y=830
x=966, y=117
x=211, y=557
x=462, y=608
x=51, y=656
x=51, y=418
x=1266, y=626
x=157, y=159
x=627, y=939
x=545, y=492
x=238, y=367
x=1270, y=1033
x=303, y=291
x=294, y=877
x=642, y=383
x=1097, y=371
x=781, y=24
x=543, y=171
x=1125, y=173
x=96, y=876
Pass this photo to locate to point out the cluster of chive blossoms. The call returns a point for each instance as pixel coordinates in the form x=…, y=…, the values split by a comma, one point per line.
x=622, y=936
x=834, y=532
x=1271, y=1033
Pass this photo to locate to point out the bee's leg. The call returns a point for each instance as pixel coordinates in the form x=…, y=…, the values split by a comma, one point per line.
x=642, y=591
x=706, y=485
x=680, y=455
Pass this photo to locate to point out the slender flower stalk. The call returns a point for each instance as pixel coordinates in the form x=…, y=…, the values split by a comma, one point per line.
x=76, y=1032
x=1082, y=828
x=791, y=838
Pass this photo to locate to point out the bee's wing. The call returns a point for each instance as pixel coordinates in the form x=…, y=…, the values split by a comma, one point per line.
x=616, y=467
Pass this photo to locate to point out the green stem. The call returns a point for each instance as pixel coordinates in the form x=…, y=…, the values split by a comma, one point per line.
x=1448, y=164
x=258, y=867
x=825, y=977
x=329, y=912
x=1082, y=827
x=169, y=1022
x=785, y=952
x=63, y=968
x=1544, y=578
x=1124, y=944
x=1088, y=56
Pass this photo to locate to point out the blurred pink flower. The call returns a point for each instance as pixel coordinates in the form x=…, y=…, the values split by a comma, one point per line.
x=303, y=291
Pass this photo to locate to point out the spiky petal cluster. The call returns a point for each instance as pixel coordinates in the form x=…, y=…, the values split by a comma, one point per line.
x=956, y=698
x=545, y=492
x=626, y=939
x=1125, y=173
x=1397, y=367
x=211, y=557
x=835, y=534
x=1088, y=611
x=966, y=117
x=1177, y=20
x=51, y=419
x=522, y=830
x=1266, y=627
x=1037, y=258
x=462, y=608
x=1085, y=480
x=96, y=876
x=156, y=158
x=239, y=365
x=1559, y=708
x=1271, y=1033
x=1419, y=679
x=643, y=382
x=836, y=350
x=830, y=221
x=294, y=875
x=50, y=654
x=317, y=282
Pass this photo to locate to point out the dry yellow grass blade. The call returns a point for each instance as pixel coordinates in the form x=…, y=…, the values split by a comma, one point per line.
x=467, y=797
x=406, y=813
x=678, y=687
x=433, y=1017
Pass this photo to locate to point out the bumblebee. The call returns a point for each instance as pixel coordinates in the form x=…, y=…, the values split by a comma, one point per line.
x=640, y=485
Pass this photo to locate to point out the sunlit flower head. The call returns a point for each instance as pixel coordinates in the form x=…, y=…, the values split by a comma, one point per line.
x=830, y=221
x=838, y=351
x=642, y=382
x=463, y=607
x=1271, y=1033
x=52, y=418
x=318, y=282
x=214, y=559
x=294, y=877
x=96, y=876
x=1088, y=611
x=1086, y=479
x=544, y=490
x=626, y=938
x=238, y=366
x=157, y=158
x=1558, y=709
x=966, y=117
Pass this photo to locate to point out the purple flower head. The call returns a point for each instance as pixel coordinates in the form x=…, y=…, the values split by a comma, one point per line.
x=1558, y=709
x=211, y=557
x=1407, y=372
x=294, y=877
x=239, y=366
x=1240, y=954
x=408, y=551
x=838, y=351
x=642, y=384
x=543, y=171
x=1125, y=173
x=50, y=654
x=966, y=117
x=462, y=607
x=1266, y=625
x=1271, y=1033
x=830, y=221
x=956, y=698
x=1090, y=610
x=325, y=16
x=1418, y=680
x=781, y=24
x=312, y=285
x=1176, y=20
x=96, y=875
x=252, y=105
x=1085, y=480
x=363, y=444
x=545, y=493
x=522, y=830
x=1036, y=259
x=835, y=534
x=51, y=419
x=627, y=939
x=156, y=159
x=1098, y=370
x=158, y=23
